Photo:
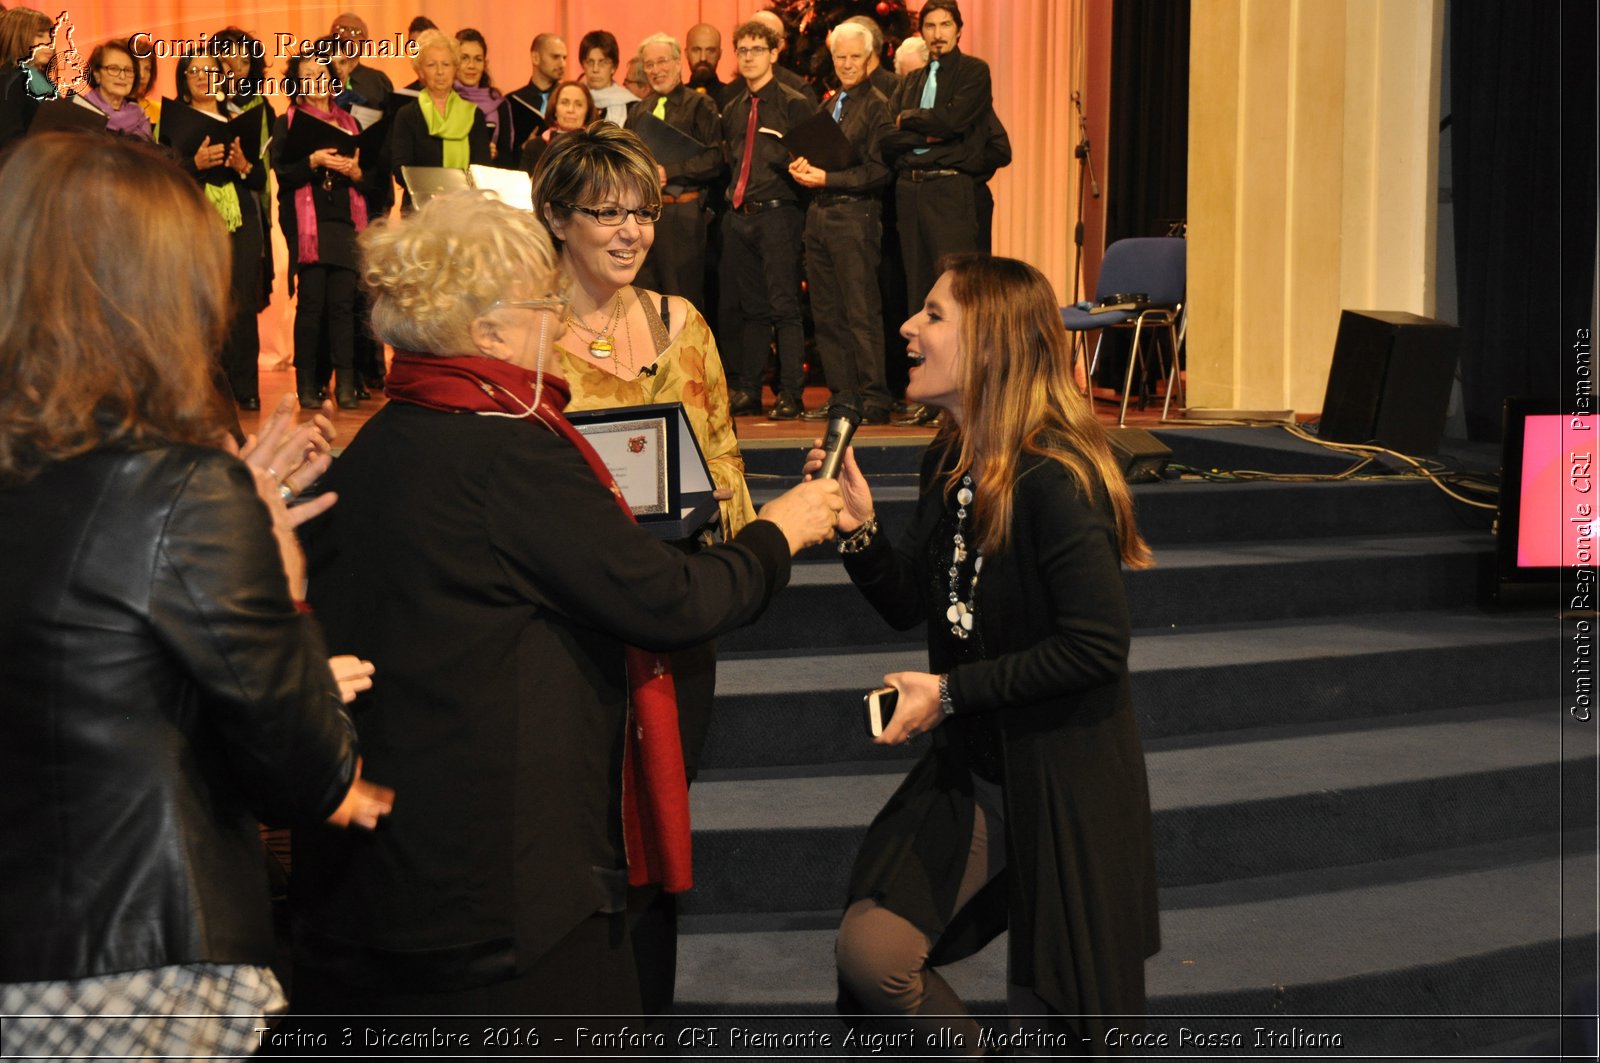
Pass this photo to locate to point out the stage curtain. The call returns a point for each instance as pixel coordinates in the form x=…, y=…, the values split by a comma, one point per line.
x=1148, y=176
x=1523, y=120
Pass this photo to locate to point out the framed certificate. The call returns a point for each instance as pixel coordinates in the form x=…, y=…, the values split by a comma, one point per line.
x=656, y=460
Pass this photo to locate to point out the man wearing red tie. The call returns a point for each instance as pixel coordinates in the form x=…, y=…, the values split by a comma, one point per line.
x=844, y=234
x=762, y=234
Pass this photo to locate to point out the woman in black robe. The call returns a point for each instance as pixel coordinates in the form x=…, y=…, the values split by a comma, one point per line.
x=1030, y=810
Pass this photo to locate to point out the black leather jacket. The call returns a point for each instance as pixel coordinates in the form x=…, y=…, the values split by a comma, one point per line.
x=158, y=694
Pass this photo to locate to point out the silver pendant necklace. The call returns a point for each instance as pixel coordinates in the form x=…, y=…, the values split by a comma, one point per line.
x=962, y=612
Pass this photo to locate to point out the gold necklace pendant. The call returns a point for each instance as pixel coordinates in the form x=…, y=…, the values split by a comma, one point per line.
x=602, y=347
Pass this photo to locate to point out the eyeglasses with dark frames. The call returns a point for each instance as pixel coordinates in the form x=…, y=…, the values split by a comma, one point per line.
x=614, y=216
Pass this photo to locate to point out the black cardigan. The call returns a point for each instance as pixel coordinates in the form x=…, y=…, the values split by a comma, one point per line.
x=478, y=563
x=1053, y=618
x=411, y=145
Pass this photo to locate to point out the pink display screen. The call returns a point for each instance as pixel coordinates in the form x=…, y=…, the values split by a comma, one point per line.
x=1560, y=492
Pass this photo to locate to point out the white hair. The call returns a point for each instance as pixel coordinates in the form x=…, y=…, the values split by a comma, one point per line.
x=661, y=38
x=851, y=29
x=911, y=49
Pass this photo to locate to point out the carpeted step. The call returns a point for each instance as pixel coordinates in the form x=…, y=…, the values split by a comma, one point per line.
x=806, y=708
x=1192, y=512
x=1427, y=953
x=1190, y=584
x=1242, y=805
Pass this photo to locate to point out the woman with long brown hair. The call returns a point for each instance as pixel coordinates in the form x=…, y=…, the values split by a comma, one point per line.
x=161, y=690
x=1034, y=769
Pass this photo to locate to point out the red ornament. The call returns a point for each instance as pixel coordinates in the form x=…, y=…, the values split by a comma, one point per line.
x=884, y=7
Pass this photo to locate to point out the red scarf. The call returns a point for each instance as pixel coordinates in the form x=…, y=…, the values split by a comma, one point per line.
x=655, y=789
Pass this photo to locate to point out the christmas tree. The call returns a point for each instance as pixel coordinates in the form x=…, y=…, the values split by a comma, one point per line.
x=810, y=21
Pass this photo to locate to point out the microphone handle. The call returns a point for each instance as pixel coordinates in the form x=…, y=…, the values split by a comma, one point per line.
x=840, y=431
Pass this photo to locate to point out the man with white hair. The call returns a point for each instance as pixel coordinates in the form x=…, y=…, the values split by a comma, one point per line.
x=912, y=55
x=882, y=78
x=844, y=233
x=677, y=261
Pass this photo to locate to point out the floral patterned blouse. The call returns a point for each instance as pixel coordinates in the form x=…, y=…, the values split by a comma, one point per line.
x=688, y=371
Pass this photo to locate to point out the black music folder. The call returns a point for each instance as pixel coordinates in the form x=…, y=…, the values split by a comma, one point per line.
x=821, y=142
x=669, y=145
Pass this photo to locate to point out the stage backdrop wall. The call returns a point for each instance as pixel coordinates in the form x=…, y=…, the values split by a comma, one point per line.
x=1313, y=158
x=1033, y=47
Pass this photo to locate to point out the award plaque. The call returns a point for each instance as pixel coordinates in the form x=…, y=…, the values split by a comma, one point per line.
x=656, y=460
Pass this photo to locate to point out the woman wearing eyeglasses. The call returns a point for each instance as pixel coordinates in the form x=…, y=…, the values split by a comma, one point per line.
x=230, y=181
x=113, y=77
x=599, y=193
x=479, y=558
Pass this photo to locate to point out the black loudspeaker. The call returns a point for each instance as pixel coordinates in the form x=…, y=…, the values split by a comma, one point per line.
x=1390, y=380
x=1141, y=455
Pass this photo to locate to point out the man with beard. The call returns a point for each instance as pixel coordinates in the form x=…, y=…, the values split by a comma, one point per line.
x=677, y=261
x=548, y=53
x=702, y=46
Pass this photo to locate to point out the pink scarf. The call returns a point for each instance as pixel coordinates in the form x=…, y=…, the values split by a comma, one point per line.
x=305, y=209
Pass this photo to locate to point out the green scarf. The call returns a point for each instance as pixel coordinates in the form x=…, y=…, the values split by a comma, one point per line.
x=226, y=199
x=452, y=127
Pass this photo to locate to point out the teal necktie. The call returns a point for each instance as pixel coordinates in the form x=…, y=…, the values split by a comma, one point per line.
x=930, y=88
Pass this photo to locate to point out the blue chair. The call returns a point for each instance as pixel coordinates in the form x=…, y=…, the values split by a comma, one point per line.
x=1155, y=267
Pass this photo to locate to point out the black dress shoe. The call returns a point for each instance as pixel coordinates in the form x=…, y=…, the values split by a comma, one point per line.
x=876, y=415
x=918, y=416
x=250, y=404
x=900, y=407
x=744, y=404
x=787, y=408
x=309, y=400
x=818, y=414
x=362, y=392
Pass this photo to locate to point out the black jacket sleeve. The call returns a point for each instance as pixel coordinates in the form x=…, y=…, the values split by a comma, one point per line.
x=958, y=111
x=873, y=173
x=220, y=605
x=566, y=545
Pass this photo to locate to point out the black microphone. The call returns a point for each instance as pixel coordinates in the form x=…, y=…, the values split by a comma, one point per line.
x=842, y=421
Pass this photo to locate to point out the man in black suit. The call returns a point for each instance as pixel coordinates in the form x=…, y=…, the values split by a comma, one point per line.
x=937, y=153
x=677, y=260
x=702, y=47
x=761, y=235
x=844, y=230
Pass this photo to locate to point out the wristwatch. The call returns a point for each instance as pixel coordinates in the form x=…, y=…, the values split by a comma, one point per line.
x=946, y=706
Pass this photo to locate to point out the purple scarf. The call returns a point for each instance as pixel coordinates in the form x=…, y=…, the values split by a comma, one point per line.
x=129, y=119
x=486, y=100
x=305, y=209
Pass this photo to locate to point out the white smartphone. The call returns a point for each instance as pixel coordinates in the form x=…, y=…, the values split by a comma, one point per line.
x=880, y=705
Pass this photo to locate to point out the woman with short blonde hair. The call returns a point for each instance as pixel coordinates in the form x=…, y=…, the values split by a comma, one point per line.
x=505, y=605
x=441, y=128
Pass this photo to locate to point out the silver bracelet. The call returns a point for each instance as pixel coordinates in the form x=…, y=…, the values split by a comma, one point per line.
x=946, y=706
x=861, y=538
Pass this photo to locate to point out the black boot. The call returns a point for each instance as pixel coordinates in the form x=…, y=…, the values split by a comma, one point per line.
x=345, y=391
x=306, y=384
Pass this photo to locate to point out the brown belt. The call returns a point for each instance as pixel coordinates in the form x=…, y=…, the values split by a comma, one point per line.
x=682, y=197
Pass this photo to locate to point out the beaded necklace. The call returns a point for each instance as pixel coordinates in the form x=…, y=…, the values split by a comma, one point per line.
x=962, y=611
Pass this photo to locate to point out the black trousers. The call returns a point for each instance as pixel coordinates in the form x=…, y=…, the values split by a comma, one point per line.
x=761, y=254
x=938, y=217
x=843, y=242
x=324, y=324
x=241, y=349
x=676, y=264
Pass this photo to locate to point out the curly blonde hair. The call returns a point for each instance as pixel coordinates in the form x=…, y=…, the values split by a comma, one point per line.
x=435, y=271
